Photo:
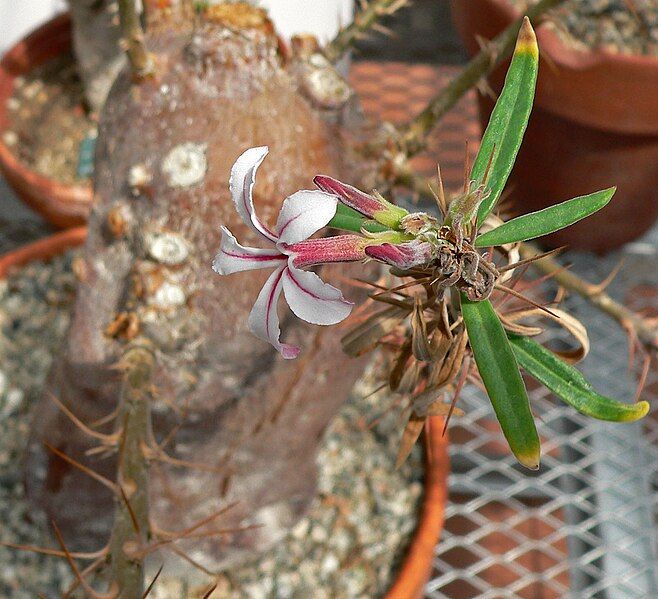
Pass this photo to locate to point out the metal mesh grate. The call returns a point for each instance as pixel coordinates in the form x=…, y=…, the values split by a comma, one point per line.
x=583, y=526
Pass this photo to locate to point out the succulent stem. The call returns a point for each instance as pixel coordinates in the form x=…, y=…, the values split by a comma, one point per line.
x=131, y=530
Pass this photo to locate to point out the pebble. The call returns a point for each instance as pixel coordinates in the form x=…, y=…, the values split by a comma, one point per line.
x=35, y=305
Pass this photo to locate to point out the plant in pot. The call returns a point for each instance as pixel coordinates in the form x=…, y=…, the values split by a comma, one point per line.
x=48, y=106
x=159, y=349
x=598, y=86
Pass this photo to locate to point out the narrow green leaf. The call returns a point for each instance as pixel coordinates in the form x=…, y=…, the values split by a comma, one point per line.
x=348, y=219
x=501, y=377
x=548, y=220
x=569, y=384
x=508, y=121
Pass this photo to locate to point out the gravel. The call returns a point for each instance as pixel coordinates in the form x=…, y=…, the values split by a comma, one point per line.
x=618, y=26
x=348, y=546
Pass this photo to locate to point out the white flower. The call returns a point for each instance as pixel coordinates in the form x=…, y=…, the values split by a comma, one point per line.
x=302, y=214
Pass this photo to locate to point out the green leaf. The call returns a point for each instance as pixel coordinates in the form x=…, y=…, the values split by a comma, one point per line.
x=348, y=219
x=502, y=379
x=546, y=221
x=569, y=384
x=504, y=133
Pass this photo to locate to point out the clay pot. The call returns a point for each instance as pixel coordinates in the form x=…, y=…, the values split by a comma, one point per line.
x=417, y=565
x=594, y=125
x=61, y=204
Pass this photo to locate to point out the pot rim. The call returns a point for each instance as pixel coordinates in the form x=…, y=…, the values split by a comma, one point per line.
x=61, y=204
x=417, y=564
x=574, y=95
x=42, y=249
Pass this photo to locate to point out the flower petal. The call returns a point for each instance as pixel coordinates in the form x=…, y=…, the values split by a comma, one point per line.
x=350, y=196
x=241, y=184
x=264, y=320
x=304, y=213
x=233, y=257
x=403, y=255
x=369, y=205
x=340, y=248
x=313, y=300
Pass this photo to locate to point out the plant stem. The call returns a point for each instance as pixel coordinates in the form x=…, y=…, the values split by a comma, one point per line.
x=414, y=133
x=131, y=531
x=364, y=20
x=141, y=61
x=646, y=332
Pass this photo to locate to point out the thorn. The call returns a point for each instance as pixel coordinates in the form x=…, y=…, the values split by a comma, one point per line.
x=74, y=567
x=601, y=287
x=107, y=439
x=643, y=377
x=184, y=533
x=155, y=578
x=133, y=517
x=86, y=572
x=526, y=299
x=532, y=259
x=207, y=594
x=384, y=30
x=402, y=287
x=467, y=168
x=466, y=365
x=443, y=204
x=88, y=471
x=157, y=454
x=54, y=552
x=178, y=551
x=105, y=419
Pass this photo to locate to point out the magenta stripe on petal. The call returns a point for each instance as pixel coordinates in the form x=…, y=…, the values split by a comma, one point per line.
x=313, y=300
x=264, y=320
x=260, y=258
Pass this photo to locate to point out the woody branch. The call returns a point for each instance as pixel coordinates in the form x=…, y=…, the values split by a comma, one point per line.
x=141, y=61
x=413, y=135
x=364, y=20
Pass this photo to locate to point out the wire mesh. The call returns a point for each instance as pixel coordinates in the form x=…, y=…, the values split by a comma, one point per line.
x=583, y=525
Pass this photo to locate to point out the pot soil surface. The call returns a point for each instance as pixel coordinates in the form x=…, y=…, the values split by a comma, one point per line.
x=48, y=120
x=618, y=26
x=350, y=543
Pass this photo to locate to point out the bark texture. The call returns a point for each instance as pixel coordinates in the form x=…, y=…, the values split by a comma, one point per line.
x=223, y=398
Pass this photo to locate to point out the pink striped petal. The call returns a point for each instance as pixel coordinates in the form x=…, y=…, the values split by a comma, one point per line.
x=304, y=213
x=340, y=248
x=313, y=300
x=350, y=196
x=264, y=320
x=382, y=211
x=403, y=255
x=241, y=184
x=233, y=257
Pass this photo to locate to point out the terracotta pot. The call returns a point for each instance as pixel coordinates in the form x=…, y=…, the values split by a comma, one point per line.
x=417, y=565
x=61, y=204
x=43, y=249
x=594, y=125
